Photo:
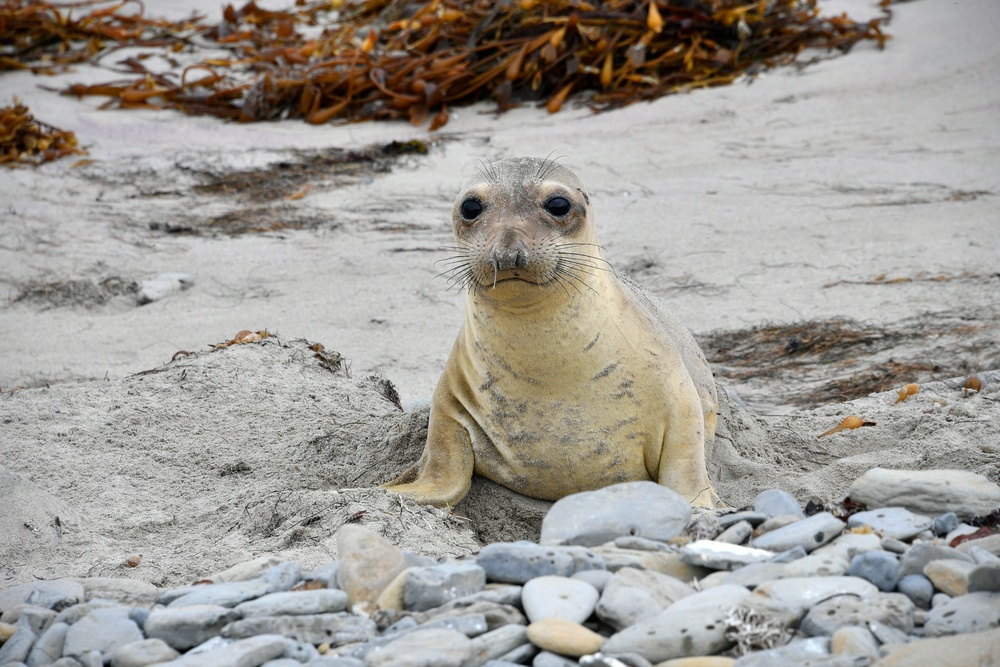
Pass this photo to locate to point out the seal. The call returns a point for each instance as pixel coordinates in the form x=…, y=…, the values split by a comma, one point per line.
x=566, y=376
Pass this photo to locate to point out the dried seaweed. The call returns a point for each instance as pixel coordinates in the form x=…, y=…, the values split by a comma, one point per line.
x=24, y=139
x=391, y=59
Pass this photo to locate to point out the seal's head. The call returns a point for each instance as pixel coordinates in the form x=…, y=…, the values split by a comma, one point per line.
x=525, y=223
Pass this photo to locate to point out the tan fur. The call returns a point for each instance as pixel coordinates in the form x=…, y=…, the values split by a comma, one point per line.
x=566, y=376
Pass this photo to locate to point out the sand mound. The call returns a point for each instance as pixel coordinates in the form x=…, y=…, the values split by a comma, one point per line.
x=270, y=447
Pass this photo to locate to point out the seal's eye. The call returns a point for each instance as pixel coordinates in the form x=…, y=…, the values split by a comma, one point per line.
x=470, y=209
x=558, y=206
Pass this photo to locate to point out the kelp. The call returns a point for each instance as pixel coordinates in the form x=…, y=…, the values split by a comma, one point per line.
x=24, y=139
x=391, y=59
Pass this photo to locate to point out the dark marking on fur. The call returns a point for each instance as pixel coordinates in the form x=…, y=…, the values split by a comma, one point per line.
x=606, y=371
x=592, y=343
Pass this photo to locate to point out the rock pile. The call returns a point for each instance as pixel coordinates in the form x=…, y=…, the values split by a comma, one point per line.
x=620, y=577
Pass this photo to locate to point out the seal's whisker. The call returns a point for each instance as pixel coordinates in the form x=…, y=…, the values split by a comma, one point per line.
x=582, y=260
x=569, y=273
x=455, y=259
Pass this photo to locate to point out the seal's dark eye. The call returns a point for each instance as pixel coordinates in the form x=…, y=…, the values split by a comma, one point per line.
x=470, y=209
x=558, y=206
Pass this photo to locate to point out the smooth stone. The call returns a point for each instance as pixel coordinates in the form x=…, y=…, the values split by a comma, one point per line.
x=789, y=555
x=717, y=578
x=338, y=661
x=546, y=659
x=753, y=575
x=879, y=567
x=188, y=626
x=392, y=597
x=895, y=546
x=123, y=591
x=669, y=563
x=817, y=565
x=981, y=556
x=930, y=492
x=368, y=563
x=429, y=587
x=753, y=518
x=640, y=544
x=142, y=653
x=301, y=651
x=854, y=640
x=895, y=522
x=17, y=648
x=824, y=618
x=945, y=523
x=974, y=612
x=981, y=649
x=335, y=629
x=564, y=637
x=722, y=556
x=295, y=603
x=638, y=509
x=775, y=502
x=810, y=533
x=950, y=576
x=423, y=648
x=519, y=562
x=49, y=645
x=985, y=578
x=101, y=630
x=699, y=661
x=776, y=522
x=918, y=588
x=40, y=618
x=797, y=653
x=787, y=600
x=242, y=653
x=56, y=594
x=284, y=662
x=694, y=625
x=498, y=644
x=596, y=578
x=227, y=594
x=558, y=597
x=495, y=613
x=940, y=599
x=736, y=533
x=502, y=593
x=632, y=595
x=62, y=662
x=920, y=554
x=326, y=573
x=162, y=285
x=521, y=655
x=250, y=569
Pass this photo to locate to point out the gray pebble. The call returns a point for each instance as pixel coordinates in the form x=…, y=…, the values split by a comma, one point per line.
x=817, y=565
x=335, y=661
x=795, y=654
x=633, y=595
x=498, y=644
x=520, y=655
x=428, y=587
x=65, y=662
x=503, y=663
x=91, y=659
x=776, y=522
x=775, y=502
x=49, y=646
x=918, y=588
x=228, y=594
x=423, y=648
x=299, y=651
x=558, y=597
x=101, y=630
x=722, y=556
x=945, y=523
x=71, y=615
x=283, y=662
x=327, y=573
x=825, y=618
x=809, y=533
x=596, y=578
x=888, y=634
x=974, y=612
x=546, y=659
x=142, y=653
x=981, y=556
x=985, y=578
x=916, y=558
x=879, y=567
x=188, y=626
x=638, y=509
x=895, y=546
x=752, y=576
x=250, y=651
x=736, y=533
x=518, y=562
x=927, y=491
x=336, y=629
x=55, y=594
x=789, y=555
x=640, y=544
x=788, y=600
x=294, y=603
x=496, y=614
x=895, y=522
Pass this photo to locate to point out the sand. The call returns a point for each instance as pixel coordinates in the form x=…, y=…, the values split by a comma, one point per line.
x=779, y=201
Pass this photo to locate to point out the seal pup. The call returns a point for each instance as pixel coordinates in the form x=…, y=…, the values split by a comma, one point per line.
x=566, y=375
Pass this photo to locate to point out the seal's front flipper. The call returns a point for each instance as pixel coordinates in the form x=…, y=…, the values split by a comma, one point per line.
x=444, y=474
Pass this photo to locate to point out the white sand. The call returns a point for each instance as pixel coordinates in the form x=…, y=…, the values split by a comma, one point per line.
x=747, y=201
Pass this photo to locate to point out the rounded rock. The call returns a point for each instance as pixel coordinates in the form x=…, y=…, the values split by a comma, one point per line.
x=632, y=595
x=894, y=522
x=950, y=576
x=879, y=567
x=368, y=563
x=975, y=612
x=142, y=653
x=558, y=597
x=927, y=491
x=564, y=637
x=945, y=523
x=810, y=533
x=918, y=588
x=436, y=647
x=775, y=502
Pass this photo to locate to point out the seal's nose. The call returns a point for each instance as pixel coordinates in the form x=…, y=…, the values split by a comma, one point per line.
x=510, y=253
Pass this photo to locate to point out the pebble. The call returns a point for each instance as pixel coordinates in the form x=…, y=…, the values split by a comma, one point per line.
x=632, y=595
x=982, y=648
x=879, y=567
x=637, y=509
x=637, y=598
x=932, y=492
x=775, y=502
x=564, y=637
x=809, y=533
x=895, y=522
x=558, y=597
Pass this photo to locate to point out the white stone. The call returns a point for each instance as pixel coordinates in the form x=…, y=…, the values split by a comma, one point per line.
x=558, y=597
